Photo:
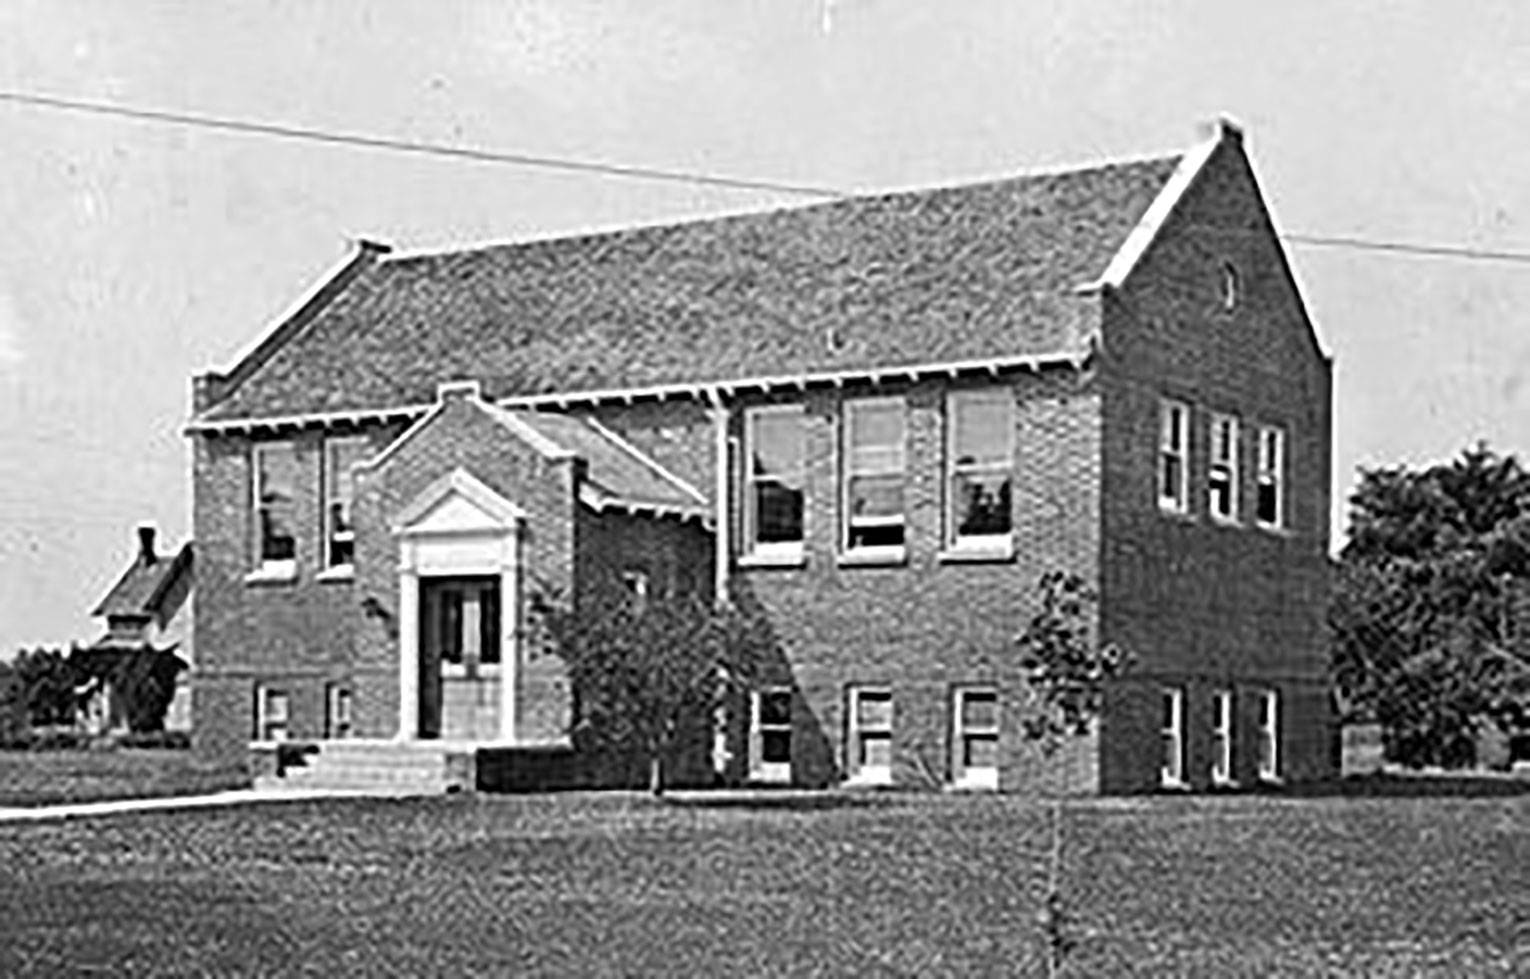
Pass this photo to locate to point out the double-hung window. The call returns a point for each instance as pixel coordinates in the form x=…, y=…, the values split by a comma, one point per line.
x=339, y=535
x=1173, y=456
x=1270, y=477
x=975, y=740
x=773, y=504
x=869, y=738
x=1222, y=477
x=770, y=735
x=1172, y=768
x=874, y=463
x=1221, y=737
x=271, y=714
x=337, y=711
x=275, y=498
x=980, y=443
x=1269, y=735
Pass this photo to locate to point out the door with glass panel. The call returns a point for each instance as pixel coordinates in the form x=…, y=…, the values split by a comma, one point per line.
x=459, y=658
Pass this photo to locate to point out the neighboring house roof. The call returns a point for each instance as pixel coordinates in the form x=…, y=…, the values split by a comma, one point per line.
x=950, y=275
x=143, y=586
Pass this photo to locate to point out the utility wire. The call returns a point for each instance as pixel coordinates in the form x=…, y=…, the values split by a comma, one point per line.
x=303, y=133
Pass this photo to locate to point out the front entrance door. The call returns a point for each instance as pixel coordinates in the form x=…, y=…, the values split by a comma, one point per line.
x=459, y=657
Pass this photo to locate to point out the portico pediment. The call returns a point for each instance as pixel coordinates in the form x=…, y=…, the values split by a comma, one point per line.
x=458, y=504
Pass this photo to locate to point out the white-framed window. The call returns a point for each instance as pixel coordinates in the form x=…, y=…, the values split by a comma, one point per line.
x=975, y=738
x=340, y=454
x=770, y=735
x=337, y=711
x=1222, y=476
x=1269, y=735
x=868, y=740
x=635, y=581
x=274, y=492
x=1270, y=477
x=775, y=472
x=873, y=473
x=1172, y=768
x=1231, y=287
x=1221, y=737
x=1173, y=456
x=272, y=717
x=980, y=459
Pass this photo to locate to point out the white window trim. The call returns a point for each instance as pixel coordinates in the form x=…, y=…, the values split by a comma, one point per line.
x=1271, y=472
x=1230, y=463
x=1222, y=737
x=264, y=719
x=332, y=446
x=282, y=569
x=1269, y=735
x=962, y=776
x=340, y=707
x=858, y=774
x=1177, y=502
x=986, y=545
x=885, y=554
x=776, y=552
x=759, y=769
x=1173, y=778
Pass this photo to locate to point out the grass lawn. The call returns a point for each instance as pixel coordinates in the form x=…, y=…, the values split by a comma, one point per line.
x=29, y=778
x=618, y=884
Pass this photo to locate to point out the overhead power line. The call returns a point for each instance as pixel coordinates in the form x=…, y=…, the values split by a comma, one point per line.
x=631, y=171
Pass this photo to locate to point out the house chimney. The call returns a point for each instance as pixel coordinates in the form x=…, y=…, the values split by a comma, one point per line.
x=146, y=544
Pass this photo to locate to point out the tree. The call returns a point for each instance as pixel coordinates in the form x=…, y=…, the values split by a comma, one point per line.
x=47, y=686
x=1422, y=617
x=1069, y=670
x=647, y=670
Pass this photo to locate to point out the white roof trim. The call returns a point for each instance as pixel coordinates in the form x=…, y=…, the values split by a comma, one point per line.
x=1142, y=236
x=306, y=420
x=601, y=502
x=458, y=482
x=543, y=445
x=648, y=461
x=376, y=462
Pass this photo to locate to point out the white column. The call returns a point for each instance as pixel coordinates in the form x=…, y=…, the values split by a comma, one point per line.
x=408, y=654
x=509, y=634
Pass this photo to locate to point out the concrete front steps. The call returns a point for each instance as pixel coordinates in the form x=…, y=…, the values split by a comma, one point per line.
x=354, y=767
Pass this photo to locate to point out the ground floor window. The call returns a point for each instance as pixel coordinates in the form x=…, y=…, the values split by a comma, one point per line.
x=271, y=714
x=1269, y=735
x=770, y=735
x=1221, y=737
x=338, y=712
x=868, y=741
x=975, y=738
x=1172, y=769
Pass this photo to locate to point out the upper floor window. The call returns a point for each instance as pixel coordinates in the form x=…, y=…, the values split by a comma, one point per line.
x=980, y=456
x=1222, y=478
x=874, y=462
x=339, y=535
x=773, y=506
x=1173, y=456
x=1270, y=477
x=275, y=495
x=1230, y=287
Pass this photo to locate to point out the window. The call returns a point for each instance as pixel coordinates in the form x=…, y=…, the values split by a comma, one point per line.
x=868, y=744
x=1230, y=293
x=635, y=581
x=1221, y=737
x=1269, y=735
x=275, y=494
x=271, y=717
x=460, y=622
x=1223, y=475
x=975, y=740
x=980, y=457
x=773, y=503
x=340, y=540
x=1172, y=774
x=770, y=736
x=337, y=711
x=874, y=475
x=1270, y=476
x=1174, y=451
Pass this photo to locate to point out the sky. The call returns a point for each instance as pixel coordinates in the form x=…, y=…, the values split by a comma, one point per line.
x=135, y=254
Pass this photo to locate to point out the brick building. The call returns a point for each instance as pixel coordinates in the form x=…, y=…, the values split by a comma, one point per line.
x=881, y=418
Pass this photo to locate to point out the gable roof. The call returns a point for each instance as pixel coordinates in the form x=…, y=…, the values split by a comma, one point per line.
x=956, y=274
x=143, y=585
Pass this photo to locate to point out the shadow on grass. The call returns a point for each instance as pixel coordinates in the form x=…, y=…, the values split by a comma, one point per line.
x=778, y=801
x=1411, y=786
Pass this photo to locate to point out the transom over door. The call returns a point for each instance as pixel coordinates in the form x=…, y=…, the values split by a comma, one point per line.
x=459, y=656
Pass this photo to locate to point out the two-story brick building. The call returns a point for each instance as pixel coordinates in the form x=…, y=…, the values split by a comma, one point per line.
x=881, y=419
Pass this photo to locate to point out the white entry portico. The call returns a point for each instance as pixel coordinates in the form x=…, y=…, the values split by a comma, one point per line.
x=458, y=632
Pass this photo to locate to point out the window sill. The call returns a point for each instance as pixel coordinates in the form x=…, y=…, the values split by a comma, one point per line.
x=1230, y=523
x=340, y=572
x=873, y=556
x=1173, y=785
x=977, y=783
x=1274, y=781
x=869, y=780
x=273, y=573
x=975, y=554
x=1223, y=784
x=1273, y=529
x=783, y=560
x=1172, y=514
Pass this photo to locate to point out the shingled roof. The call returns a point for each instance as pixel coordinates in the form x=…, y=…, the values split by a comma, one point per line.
x=906, y=279
x=140, y=590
